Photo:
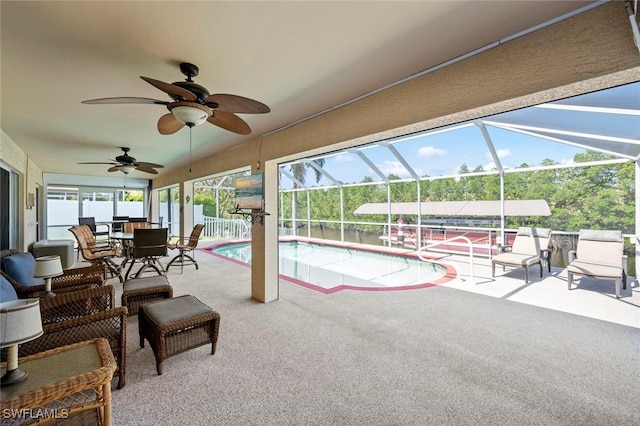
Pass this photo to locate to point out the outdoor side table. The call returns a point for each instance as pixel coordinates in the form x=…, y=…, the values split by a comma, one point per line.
x=70, y=382
x=177, y=325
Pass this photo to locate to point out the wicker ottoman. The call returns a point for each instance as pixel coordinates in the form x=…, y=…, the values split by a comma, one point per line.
x=177, y=325
x=63, y=248
x=139, y=291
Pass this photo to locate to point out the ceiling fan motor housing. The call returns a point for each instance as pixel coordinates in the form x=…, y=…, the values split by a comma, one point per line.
x=200, y=92
x=126, y=158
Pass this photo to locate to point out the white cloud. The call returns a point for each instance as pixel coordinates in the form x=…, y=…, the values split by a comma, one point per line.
x=502, y=153
x=344, y=158
x=396, y=168
x=430, y=151
x=489, y=167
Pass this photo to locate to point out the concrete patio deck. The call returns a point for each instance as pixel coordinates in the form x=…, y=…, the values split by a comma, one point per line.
x=589, y=297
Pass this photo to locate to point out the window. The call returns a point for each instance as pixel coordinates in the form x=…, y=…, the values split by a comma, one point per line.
x=66, y=204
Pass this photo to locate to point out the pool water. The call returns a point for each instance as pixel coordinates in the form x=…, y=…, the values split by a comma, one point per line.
x=331, y=268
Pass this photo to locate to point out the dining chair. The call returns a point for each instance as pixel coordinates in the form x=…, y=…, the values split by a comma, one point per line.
x=130, y=226
x=138, y=219
x=185, y=246
x=117, y=223
x=90, y=221
x=96, y=255
x=149, y=245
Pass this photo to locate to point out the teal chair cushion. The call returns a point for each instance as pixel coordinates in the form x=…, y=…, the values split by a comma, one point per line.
x=20, y=267
x=7, y=292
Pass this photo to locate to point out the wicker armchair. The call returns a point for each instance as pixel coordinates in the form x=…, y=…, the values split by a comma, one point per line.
x=79, y=316
x=71, y=280
x=77, y=304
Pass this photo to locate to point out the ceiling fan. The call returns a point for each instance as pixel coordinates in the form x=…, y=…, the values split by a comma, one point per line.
x=192, y=105
x=126, y=163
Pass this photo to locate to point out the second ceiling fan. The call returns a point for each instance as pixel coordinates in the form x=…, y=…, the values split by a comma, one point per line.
x=125, y=163
x=192, y=105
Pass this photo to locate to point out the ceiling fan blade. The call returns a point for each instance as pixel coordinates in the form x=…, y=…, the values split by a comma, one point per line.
x=235, y=103
x=169, y=124
x=113, y=164
x=144, y=163
x=145, y=168
x=171, y=89
x=229, y=121
x=113, y=169
x=122, y=100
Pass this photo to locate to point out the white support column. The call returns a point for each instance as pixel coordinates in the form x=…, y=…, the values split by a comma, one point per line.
x=637, y=221
x=498, y=163
x=264, y=241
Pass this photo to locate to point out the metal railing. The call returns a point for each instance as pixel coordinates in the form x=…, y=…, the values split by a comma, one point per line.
x=460, y=237
x=226, y=229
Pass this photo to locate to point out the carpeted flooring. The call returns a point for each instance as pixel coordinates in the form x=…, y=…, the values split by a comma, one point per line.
x=434, y=356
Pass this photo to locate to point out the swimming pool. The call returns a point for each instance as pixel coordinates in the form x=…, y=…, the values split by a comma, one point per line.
x=329, y=268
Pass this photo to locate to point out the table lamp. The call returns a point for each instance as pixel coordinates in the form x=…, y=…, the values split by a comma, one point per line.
x=48, y=267
x=20, y=322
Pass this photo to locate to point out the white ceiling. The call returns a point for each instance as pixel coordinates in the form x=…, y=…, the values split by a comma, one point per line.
x=298, y=57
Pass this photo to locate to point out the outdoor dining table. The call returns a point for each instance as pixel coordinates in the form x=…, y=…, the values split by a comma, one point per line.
x=122, y=236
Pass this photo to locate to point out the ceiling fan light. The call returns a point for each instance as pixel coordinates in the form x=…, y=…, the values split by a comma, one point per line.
x=126, y=169
x=190, y=115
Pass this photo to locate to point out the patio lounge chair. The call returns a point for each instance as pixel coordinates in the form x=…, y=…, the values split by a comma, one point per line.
x=599, y=254
x=530, y=247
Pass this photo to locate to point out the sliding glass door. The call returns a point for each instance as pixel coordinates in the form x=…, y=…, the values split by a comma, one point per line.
x=169, y=209
x=9, y=201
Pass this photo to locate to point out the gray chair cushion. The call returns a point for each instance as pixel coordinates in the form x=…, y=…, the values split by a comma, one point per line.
x=179, y=308
x=536, y=232
x=594, y=270
x=144, y=283
x=516, y=259
x=600, y=235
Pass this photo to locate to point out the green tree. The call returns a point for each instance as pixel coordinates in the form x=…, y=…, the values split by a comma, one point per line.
x=299, y=172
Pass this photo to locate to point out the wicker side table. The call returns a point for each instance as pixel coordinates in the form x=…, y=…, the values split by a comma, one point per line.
x=177, y=325
x=65, y=383
x=139, y=291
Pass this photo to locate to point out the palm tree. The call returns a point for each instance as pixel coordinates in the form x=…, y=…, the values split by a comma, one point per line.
x=299, y=172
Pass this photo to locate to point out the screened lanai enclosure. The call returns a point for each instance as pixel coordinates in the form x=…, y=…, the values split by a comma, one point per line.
x=576, y=157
